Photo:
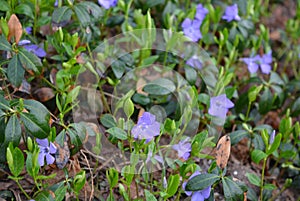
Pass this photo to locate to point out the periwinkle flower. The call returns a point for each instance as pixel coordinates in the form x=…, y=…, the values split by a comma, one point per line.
x=191, y=29
x=201, y=12
x=183, y=148
x=108, y=3
x=231, y=13
x=272, y=137
x=46, y=149
x=194, y=62
x=28, y=30
x=219, y=106
x=200, y=195
x=35, y=49
x=156, y=157
x=146, y=128
x=264, y=62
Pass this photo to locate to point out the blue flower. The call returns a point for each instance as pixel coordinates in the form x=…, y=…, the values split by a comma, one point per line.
x=108, y=3
x=219, y=106
x=231, y=13
x=35, y=49
x=264, y=62
x=183, y=148
x=28, y=30
x=201, y=12
x=146, y=128
x=191, y=29
x=156, y=157
x=194, y=62
x=197, y=195
x=46, y=149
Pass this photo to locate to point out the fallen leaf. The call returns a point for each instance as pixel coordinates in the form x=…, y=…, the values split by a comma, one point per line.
x=44, y=94
x=15, y=28
x=223, y=151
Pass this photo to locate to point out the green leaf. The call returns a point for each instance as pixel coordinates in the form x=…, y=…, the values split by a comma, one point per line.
x=44, y=196
x=237, y=136
x=141, y=99
x=253, y=178
x=118, y=68
x=29, y=60
x=4, y=104
x=4, y=6
x=173, y=183
x=112, y=176
x=4, y=44
x=13, y=130
x=150, y=60
x=79, y=181
x=201, y=182
x=118, y=133
x=24, y=9
x=38, y=110
x=257, y=155
x=15, y=71
x=60, y=192
x=72, y=95
x=149, y=196
x=232, y=190
x=37, y=127
x=275, y=144
x=266, y=101
x=82, y=14
x=61, y=14
x=128, y=107
x=93, y=9
x=160, y=86
x=190, y=74
x=16, y=165
x=296, y=107
x=108, y=121
x=269, y=187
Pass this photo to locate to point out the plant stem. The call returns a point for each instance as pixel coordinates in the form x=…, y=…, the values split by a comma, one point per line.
x=23, y=191
x=262, y=179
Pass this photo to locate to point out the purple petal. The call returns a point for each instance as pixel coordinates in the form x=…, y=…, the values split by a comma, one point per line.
x=185, y=156
x=272, y=137
x=206, y=192
x=197, y=196
x=188, y=193
x=201, y=12
x=24, y=42
x=28, y=30
x=53, y=148
x=186, y=23
x=253, y=67
x=49, y=159
x=41, y=158
x=42, y=142
x=265, y=68
x=159, y=159
x=107, y=3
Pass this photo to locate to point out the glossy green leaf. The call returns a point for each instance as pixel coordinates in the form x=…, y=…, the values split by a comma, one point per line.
x=141, y=99
x=4, y=104
x=108, y=121
x=82, y=14
x=149, y=196
x=13, y=130
x=15, y=71
x=15, y=165
x=237, y=136
x=4, y=6
x=112, y=176
x=29, y=60
x=79, y=181
x=37, y=127
x=60, y=192
x=61, y=14
x=257, y=155
x=201, y=182
x=118, y=133
x=275, y=144
x=128, y=107
x=93, y=9
x=24, y=9
x=253, y=178
x=118, y=68
x=4, y=44
x=44, y=196
x=161, y=86
x=232, y=190
x=38, y=110
x=173, y=184
x=266, y=101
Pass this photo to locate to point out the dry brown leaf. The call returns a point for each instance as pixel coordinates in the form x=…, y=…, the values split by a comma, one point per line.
x=15, y=28
x=44, y=94
x=223, y=151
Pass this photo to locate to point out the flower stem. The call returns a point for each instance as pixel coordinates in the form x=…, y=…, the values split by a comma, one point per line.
x=21, y=188
x=262, y=179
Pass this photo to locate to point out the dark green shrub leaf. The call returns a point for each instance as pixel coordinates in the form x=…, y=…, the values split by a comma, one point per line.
x=232, y=190
x=24, y=9
x=37, y=127
x=15, y=71
x=118, y=68
x=28, y=60
x=275, y=144
x=266, y=101
x=161, y=86
x=201, y=182
x=253, y=178
x=61, y=14
x=79, y=181
x=13, y=130
x=258, y=155
x=141, y=99
x=118, y=133
x=92, y=9
x=82, y=14
x=237, y=136
x=44, y=196
x=4, y=104
x=108, y=121
x=4, y=44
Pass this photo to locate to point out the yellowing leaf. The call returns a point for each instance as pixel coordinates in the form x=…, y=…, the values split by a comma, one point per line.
x=223, y=151
x=15, y=28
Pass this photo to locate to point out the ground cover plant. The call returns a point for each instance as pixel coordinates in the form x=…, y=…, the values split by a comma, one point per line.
x=149, y=100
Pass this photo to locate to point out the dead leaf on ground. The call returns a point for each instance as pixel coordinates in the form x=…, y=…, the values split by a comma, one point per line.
x=44, y=94
x=15, y=28
x=223, y=151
